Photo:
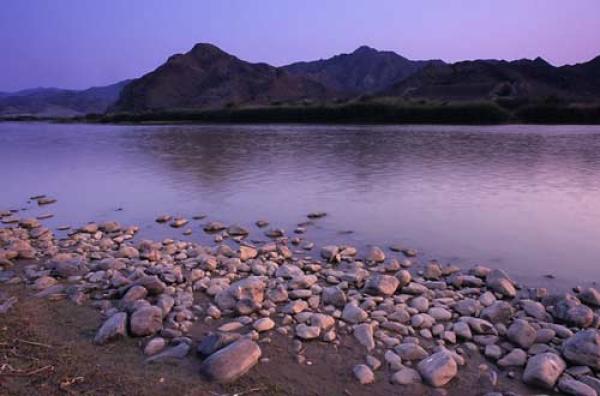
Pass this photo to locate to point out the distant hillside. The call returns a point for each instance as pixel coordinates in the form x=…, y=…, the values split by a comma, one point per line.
x=366, y=70
x=492, y=79
x=207, y=77
x=54, y=102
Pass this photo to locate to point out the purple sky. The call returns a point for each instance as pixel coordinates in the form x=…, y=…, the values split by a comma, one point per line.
x=80, y=43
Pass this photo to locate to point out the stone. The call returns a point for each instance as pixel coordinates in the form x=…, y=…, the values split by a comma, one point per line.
x=432, y=271
x=289, y=271
x=498, y=312
x=214, y=226
x=439, y=313
x=521, y=333
x=231, y=362
x=330, y=253
x=535, y=310
x=333, y=296
x=406, y=376
x=592, y=382
x=129, y=252
x=493, y=351
x=307, y=332
x=352, y=313
x=438, y=369
x=569, y=310
x=583, y=348
x=393, y=360
x=230, y=326
x=296, y=306
x=381, y=285
x=154, y=346
x=404, y=277
x=249, y=290
x=421, y=304
x=146, y=321
x=178, y=351
x=236, y=230
x=411, y=351
x=364, y=334
x=571, y=386
x=375, y=255
x=247, y=253
x=113, y=328
x=44, y=282
x=498, y=281
x=322, y=321
x=468, y=307
x=215, y=341
x=517, y=357
x=363, y=374
x=263, y=324
x=543, y=370
x=590, y=296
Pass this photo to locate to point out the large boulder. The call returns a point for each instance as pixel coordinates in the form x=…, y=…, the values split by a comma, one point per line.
x=583, y=348
x=249, y=292
x=231, y=362
x=543, y=370
x=522, y=333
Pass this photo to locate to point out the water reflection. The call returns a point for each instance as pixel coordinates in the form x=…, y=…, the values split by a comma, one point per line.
x=522, y=197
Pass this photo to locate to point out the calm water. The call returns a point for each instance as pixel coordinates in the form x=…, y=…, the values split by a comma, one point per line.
x=524, y=198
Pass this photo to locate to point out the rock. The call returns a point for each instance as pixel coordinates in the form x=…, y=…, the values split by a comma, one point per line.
x=45, y=201
x=468, y=307
x=421, y=304
x=129, y=252
x=375, y=255
x=333, y=296
x=296, y=306
x=521, y=333
x=543, y=370
x=381, y=285
x=263, y=324
x=406, y=376
x=178, y=351
x=352, y=313
x=163, y=218
x=236, y=230
x=307, y=332
x=439, y=313
x=493, y=351
x=590, y=296
x=364, y=334
x=44, y=282
x=462, y=330
x=571, y=386
x=393, y=360
x=214, y=226
x=411, y=351
x=154, y=346
x=403, y=277
x=247, y=253
x=231, y=326
x=68, y=267
x=516, y=357
x=363, y=374
x=275, y=233
x=569, y=310
x=289, y=271
x=322, y=321
x=146, y=321
x=110, y=226
x=498, y=281
x=179, y=222
x=583, y=348
x=592, y=382
x=231, y=362
x=151, y=283
x=215, y=341
x=133, y=294
x=432, y=271
x=330, y=253
x=316, y=215
x=535, y=310
x=438, y=369
x=249, y=290
x=113, y=328
x=498, y=312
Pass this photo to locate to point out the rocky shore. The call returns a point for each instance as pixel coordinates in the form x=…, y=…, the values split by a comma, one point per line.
x=416, y=324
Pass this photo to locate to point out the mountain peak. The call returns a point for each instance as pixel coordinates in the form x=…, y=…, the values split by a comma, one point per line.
x=207, y=49
x=365, y=49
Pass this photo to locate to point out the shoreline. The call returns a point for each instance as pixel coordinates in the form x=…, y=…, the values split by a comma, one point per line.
x=403, y=328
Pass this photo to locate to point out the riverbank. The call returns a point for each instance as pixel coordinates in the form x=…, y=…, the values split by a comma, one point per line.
x=273, y=313
x=360, y=112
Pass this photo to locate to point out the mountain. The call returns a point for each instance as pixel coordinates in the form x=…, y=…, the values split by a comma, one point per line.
x=364, y=71
x=207, y=77
x=490, y=79
x=55, y=102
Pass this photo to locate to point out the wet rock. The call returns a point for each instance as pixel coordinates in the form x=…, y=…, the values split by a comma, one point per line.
x=275, y=233
x=247, y=253
x=163, y=218
x=316, y=215
x=433, y=271
x=406, y=376
x=364, y=334
x=375, y=255
x=236, y=230
x=543, y=370
x=179, y=222
x=231, y=362
x=146, y=321
x=569, y=310
x=363, y=374
x=90, y=228
x=45, y=201
x=498, y=281
x=438, y=369
x=384, y=285
x=214, y=226
x=129, y=252
x=521, y=333
x=583, y=348
x=330, y=253
x=113, y=328
x=590, y=296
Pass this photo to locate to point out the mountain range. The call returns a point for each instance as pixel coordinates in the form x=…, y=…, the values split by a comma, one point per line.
x=208, y=78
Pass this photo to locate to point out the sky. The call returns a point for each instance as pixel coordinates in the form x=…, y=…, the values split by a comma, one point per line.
x=81, y=43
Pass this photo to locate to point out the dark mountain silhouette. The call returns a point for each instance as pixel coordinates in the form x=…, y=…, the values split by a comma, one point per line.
x=366, y=70
x=491, y=79
x=207, y=77
x=52, y=102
